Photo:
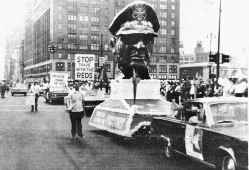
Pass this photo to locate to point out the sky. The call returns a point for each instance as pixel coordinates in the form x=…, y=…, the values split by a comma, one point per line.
x=198, y=19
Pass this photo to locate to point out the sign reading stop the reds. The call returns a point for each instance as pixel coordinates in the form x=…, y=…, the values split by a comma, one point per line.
x=84, y=67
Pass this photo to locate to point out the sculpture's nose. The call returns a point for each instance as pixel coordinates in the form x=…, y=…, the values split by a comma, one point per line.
x=139, y=44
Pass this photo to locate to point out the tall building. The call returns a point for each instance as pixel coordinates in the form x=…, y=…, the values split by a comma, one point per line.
x=81, y=27
x=12, y=55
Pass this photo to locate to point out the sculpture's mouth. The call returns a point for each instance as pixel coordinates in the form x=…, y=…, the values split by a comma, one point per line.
x=138, y=59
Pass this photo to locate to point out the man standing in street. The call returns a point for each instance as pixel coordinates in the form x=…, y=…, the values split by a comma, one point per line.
x=2, y=89
x=36, y=89
x=76, y=112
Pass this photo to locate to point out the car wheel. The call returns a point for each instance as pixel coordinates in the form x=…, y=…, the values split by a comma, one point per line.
x=227, y=163
x=167, y=150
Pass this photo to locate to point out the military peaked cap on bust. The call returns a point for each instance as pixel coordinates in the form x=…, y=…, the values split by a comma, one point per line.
x=136, y=17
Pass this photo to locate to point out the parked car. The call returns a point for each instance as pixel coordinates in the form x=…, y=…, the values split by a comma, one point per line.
x=19, y=89
x=55, y=94
x=211, y=130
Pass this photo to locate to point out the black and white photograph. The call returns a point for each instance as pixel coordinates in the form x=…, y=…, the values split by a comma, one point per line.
x=124, y=84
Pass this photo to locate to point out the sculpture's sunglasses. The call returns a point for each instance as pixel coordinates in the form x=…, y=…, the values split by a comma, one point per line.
x=131, y=39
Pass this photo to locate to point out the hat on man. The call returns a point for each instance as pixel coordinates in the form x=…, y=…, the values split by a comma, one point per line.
x=136, y=17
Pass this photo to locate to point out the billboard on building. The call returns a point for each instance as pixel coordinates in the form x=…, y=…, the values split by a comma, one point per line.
x=84, y=67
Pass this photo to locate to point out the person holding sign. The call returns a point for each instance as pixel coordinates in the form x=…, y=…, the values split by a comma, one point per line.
x=76, y=112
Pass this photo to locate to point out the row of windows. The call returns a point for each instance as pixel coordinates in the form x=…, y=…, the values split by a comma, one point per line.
x=164, y=23
x=84, y=45
x=163, y=69
x=95, y=19
x=164, y=31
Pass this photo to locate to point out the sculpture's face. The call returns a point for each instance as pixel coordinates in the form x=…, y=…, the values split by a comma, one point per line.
x=134, y=54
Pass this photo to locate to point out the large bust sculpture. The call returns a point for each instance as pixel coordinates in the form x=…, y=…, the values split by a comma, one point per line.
x=134, y=29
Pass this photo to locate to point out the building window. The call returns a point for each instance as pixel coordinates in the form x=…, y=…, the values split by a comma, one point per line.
x=173, y=7
x=83, y=18
x=163, y=68
x=161, y=59
x=172, y=50
x=60, y=66
x=59, y=26
x=68, y=56
x=163, y=22
x=60, y=17
x=83, y=47
x=163, y=6
x=164, y=14
x=95, y=29
x=72, y=27
x=94, y=37
x=108, y=67
x=71, y=46
x=162, y=49
x=59, y=55
x=163, y=31
x=172, y=15
x=94, y=46
x=106, y=47
x=172, y=32
x=71, y=36
x=173, y=23
x=83, y=37
x=59, y=46
x=172, y=68
x=153, y=59
x=153, y=69
x=94, y=19
x=71, y=18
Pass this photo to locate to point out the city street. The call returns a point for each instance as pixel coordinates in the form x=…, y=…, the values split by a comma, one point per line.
x=41, y=141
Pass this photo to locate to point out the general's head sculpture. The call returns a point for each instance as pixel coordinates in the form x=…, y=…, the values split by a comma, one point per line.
x=134, y=29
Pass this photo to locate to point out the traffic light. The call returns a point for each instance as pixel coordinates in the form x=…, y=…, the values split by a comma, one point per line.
x=225, y=58
x=51, y=48
x=213, y=58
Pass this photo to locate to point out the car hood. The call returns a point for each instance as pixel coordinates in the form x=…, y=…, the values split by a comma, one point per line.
x=236, y=130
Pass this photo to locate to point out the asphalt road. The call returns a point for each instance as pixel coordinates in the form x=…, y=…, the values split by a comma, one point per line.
x=41, y=141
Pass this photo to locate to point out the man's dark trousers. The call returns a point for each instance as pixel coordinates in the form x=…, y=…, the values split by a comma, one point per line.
x=36, y=102
x=75, y=118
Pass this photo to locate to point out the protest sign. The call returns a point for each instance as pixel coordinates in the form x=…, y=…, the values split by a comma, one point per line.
x=84, y=67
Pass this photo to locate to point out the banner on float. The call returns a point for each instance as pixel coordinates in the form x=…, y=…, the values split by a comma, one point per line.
x=84, y=67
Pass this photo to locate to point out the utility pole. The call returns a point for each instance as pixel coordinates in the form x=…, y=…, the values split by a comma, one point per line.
x=101, y=49
x=218, y=52
x=210, y=53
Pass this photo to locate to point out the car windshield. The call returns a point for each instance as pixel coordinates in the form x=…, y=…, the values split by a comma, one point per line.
x=229, y=112
x=20, y=86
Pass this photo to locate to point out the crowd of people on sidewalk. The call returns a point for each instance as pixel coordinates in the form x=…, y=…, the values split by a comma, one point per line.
x=183, y=90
